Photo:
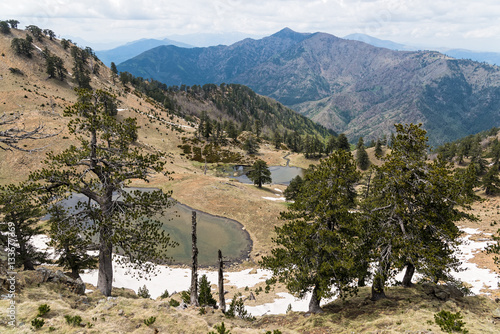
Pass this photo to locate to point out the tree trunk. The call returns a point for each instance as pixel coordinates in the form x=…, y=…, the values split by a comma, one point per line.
x=23, y=251
x=378, y=285
x=364, y=273
x=222, y=300
x=105, y=274
x=314, y=302
x=194, y=268
x=410, y=270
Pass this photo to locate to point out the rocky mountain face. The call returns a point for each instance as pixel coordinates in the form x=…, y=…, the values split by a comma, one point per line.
x=348, y=86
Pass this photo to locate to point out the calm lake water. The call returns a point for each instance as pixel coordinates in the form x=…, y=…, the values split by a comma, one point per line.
x=213, y=233
x=279, y=174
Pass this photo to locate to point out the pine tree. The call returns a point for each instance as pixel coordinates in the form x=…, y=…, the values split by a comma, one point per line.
x=362, y=160
x=21, y=208
x=67, y=237
x=251, y=145
x=378, y=149
x=317, y=247
x=491, y=181
x=259, y=174
x=205, y=297
x=293, y=189
x=413, y=205
x=100, y=168
x=343, y=143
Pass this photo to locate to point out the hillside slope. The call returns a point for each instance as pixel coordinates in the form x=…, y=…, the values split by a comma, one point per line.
x=345, y=85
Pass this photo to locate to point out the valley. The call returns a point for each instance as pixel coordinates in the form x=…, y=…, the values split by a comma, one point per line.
x=170, y=120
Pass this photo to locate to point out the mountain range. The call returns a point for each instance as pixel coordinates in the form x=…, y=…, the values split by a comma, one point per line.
x=347, y=86
x=132, y=49
x=492, y=58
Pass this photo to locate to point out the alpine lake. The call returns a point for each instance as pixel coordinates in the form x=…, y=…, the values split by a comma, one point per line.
x=213, y=232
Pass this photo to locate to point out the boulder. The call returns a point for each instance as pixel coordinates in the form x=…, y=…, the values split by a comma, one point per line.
x=75, y=285
x=442, y=292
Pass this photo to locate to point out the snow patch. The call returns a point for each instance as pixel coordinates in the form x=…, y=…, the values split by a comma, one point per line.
x=275, y=198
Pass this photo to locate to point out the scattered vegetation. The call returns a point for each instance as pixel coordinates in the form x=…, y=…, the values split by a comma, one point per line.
x=143, y=292
x=149, y=321
x=450, y=322
x=74, y=321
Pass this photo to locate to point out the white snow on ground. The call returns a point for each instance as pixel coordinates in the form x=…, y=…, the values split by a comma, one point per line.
x=479, y=278
x=278, y=190
x=178, y=279
x=275, y=198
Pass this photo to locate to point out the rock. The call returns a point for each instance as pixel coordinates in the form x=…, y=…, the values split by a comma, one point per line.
x=442, y=292
x=109, y=306
x=75, y=285
x=121, y=312
x=182, y=306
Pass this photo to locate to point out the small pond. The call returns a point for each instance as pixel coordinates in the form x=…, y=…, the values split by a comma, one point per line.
x=279, y=174
x=213, y=233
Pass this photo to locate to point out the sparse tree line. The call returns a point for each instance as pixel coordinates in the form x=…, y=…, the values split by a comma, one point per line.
x=99, y=168
x=85, y=61
x=336, y=238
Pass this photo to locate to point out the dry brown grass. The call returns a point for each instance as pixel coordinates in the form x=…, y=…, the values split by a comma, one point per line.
x=406, y=310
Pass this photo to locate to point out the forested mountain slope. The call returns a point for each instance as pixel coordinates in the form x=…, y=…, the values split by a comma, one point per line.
x=345, y=85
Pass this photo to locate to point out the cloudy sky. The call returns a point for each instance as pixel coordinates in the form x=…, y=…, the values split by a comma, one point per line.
x=447, y=23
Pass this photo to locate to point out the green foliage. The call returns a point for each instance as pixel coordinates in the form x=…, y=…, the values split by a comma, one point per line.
x=343, y=143
x=205, y=297
x=293, y=190
x=317, y=247
x=491, y=180
x=21, y=207
x=143, y=292
x=80, y=70
x=65, y=43
x=4, y=27
x=43, y=309
x=69, y=242
x=450, y=322
x=259, y=174
x=362, y=160
x=35, y=31
x=13, y=23
x=102, y=164
x=55, y=67
x=220, y=329
x=275, y=331
x=165, y=294
x=237, y=309
x=173, y=303
x=74, y=321
x=413, y=206
x=186, y=296
x=37, y=323
x=202, y=311
x=149, y=321
x=378, y=149
x=251, y=145
x=22, y=47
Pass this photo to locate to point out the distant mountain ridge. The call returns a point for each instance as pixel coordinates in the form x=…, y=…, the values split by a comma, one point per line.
x=492, y=58
x=132, y=49
x=348, y=86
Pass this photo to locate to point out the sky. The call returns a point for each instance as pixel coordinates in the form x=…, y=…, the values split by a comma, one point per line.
x=466, y=24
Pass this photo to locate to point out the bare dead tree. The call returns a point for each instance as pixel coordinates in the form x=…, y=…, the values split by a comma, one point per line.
x=222, y=300
x=12, y=135
x=194, y=269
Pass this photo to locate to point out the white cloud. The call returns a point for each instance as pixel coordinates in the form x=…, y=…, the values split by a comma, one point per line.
x=458, y=23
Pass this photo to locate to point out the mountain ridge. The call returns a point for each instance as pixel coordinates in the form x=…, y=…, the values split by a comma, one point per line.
x=347, y=86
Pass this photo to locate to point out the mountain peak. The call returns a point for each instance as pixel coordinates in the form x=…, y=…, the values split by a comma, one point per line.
x=290, y=34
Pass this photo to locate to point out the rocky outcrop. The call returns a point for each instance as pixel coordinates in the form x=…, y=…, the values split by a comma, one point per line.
x=43, y=275
x=442, y=292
